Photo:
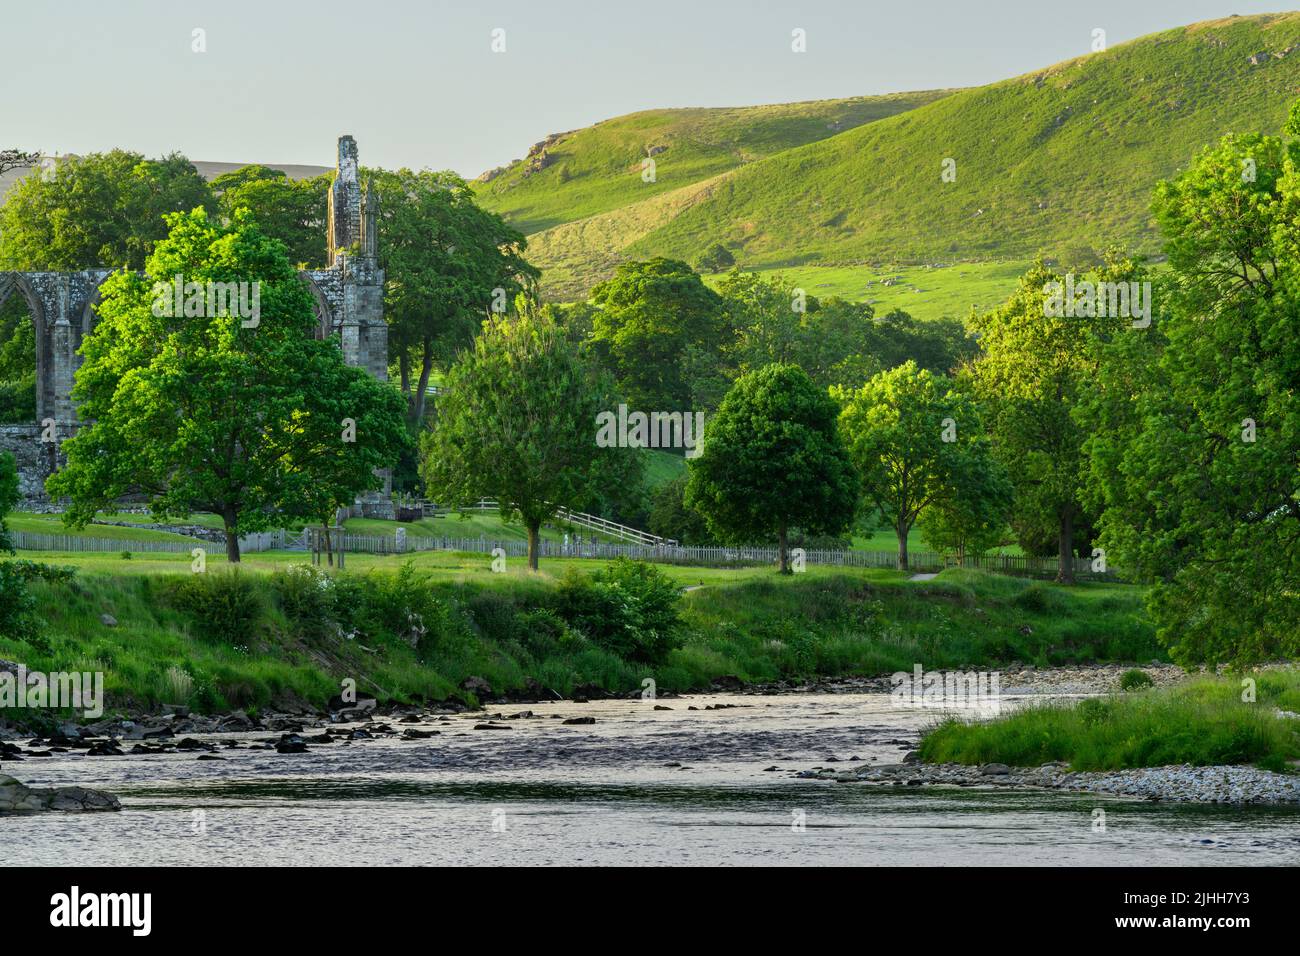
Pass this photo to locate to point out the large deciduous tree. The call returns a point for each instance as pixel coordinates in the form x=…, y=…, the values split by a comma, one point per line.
x=1034, y=372
x=652, y=316
x=918, y=444
x=247, y=417
x=449, y=264
x=772, y=461
x=293, y=211
x=100, y=210
x=1197, y=448
x=516, y=420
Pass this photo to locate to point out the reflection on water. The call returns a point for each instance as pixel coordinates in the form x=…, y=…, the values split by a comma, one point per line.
x=639, y=786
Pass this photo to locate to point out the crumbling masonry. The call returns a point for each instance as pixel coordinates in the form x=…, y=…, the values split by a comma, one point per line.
x=349, y=295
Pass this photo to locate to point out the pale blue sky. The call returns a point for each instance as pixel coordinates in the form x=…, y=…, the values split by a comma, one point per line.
x=418, y=85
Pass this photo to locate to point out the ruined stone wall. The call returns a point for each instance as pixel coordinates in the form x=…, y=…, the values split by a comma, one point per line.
x=37, y=460
x=349, y=297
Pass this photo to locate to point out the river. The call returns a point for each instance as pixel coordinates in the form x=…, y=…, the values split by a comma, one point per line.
x=640, y=786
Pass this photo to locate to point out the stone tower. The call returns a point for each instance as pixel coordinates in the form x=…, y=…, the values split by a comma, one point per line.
x=344, y=201
x=354, y=252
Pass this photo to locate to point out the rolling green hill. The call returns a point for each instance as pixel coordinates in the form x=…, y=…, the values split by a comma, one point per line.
x=589, y=171
x=1051, y=161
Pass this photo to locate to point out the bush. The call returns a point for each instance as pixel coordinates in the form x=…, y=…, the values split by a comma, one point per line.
x=222, y=605
x=18, y=617
x=307, y=598
x=630, y=608
x=401, y=605
x=1135, y=680
x=17, y=604
x=544, y=634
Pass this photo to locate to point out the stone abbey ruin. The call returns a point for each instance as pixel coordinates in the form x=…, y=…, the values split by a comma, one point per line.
x=349, y=296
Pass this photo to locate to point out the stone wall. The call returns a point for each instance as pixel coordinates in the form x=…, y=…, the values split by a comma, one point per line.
x=36, y=459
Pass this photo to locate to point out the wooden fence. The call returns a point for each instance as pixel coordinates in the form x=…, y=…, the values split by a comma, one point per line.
x=709, y=556
x=37, y=541
x=712, y=556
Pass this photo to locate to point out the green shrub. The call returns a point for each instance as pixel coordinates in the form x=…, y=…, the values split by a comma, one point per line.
x=404, y=606
x=17, y=604
x=1038, y=598
x=1135, y=680
x=543, y=633
x=223, y=605
x=630, y=607
x=308, y=599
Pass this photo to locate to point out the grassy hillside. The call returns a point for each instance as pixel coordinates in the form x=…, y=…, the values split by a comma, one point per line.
x=593, y=170
x=1056, y=159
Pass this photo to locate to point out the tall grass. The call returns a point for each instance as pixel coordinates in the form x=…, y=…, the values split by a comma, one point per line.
x=418, y=629
x=1205, y=723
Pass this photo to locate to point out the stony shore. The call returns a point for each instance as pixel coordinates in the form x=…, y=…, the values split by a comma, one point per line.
x=1015, y=680
x=1178, y=784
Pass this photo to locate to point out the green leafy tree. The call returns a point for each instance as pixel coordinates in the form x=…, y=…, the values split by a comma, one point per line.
x=1034, y=372
x=772, y=461
x=671, y=518
x=716, y=258
x=449, y=264
x=835, y=341
x=651, y=314
x=1198, y=427
x=100, y=210
x=917, y=443
x=218, y=412
x=293, y=211
x=516, y=421
x=9, y=495
x=17, y=362
x=974, y=520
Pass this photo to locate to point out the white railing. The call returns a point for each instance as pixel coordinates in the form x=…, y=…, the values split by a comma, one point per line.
x=580, y=519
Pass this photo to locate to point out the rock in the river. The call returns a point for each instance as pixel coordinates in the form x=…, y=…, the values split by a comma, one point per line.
x=580, y=720
x=16, y=797
x=476, y=686
x=291, y=744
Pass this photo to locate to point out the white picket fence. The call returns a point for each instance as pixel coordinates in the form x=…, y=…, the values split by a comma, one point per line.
x=711, y=556
x=38, y=541
x=714, y=556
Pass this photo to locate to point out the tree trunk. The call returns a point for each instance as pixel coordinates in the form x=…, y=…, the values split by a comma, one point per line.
x=901, y=531
x=533, y=536
x=404, y=370
x=783, y=545
x=232, y=545
x=422, y=392
x=329, y=545
x=1065, y=553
